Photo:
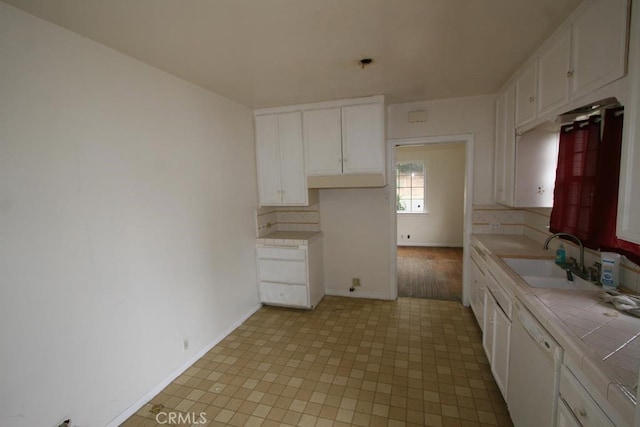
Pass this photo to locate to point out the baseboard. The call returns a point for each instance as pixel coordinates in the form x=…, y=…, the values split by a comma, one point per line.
x=432, y=245
x=357, y=294
x=175, y=374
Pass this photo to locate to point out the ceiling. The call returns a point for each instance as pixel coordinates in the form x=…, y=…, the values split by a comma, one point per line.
x=264, y=53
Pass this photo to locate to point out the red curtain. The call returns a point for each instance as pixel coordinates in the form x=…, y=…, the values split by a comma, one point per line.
x=586, y=191
x=576, y=178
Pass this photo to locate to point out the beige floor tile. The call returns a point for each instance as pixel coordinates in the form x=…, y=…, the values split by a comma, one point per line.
x=409, y=362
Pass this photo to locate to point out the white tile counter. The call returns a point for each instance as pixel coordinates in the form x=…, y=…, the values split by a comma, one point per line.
x=289, y=238
x=603, y=342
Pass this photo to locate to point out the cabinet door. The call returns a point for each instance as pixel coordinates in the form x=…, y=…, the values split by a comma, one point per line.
x=554, y=71
x=526, y=95
x=629, y=200
x=293, y=178
x=268, y=160
x=500, y=351
x=476, y=292
x=489, y=320
x=363, y=139
x=565, y=416
x=598, y=45
x=323, y=141
x=536, y=161
x=505, y=147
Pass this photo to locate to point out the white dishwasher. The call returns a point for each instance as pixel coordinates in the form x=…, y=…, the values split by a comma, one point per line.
x=534, y=372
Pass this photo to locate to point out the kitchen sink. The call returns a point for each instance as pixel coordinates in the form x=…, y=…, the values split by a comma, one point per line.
x=559, y=283
x=544, y=273
x=535, y=267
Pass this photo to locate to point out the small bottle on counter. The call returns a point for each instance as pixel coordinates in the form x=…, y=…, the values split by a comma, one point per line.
x=561, y=255
x=610, y=276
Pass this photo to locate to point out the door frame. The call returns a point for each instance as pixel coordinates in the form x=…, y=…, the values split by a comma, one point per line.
x=469, y=141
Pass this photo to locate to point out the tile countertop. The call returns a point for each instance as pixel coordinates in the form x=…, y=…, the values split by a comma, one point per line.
x=289, y=238
x=601, y=341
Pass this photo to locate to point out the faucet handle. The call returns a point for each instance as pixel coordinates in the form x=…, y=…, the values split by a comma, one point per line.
x=594, y=272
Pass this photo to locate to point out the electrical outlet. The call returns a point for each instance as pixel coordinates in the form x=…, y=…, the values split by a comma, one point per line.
x=355, y=282
x=185, y=344
x=495, y=225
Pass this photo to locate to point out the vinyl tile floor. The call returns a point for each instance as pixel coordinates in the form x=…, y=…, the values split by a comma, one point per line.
x=409, y=362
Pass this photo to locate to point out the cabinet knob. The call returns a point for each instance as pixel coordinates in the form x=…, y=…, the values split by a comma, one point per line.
x=570, y=73
x=531, y=99
x=582, y=413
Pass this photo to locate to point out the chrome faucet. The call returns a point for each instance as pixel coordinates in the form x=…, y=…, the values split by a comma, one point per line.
x=546, y=246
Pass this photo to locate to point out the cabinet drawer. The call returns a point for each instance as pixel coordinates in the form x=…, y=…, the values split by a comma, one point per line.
x=585, y=409
x=281, y=271
x=282, y=253
x=501, y=297
x=281, y=294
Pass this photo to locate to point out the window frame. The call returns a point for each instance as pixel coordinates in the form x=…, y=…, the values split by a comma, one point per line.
x=426, y=181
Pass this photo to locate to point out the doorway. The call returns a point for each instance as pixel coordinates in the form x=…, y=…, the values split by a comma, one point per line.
x=431, y=178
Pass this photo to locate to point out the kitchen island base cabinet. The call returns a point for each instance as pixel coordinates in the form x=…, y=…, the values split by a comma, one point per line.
x=291, y=276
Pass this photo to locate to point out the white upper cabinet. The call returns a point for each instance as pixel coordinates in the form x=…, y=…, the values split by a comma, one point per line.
x=629, y=196
x=599, y=35
x=323, y=141
x=280, y=160
x=345, y=143
x=505, y=146
x=363, y=139
x=554, y=73
x=586, y=53
x=526, y=86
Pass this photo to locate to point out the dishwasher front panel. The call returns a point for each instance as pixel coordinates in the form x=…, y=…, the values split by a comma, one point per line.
x=534, y=372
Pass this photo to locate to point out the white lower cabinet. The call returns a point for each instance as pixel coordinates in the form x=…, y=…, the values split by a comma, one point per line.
x=497, y=331
x=580, y=409
x=565, y=416
x=477, y=285
x=291, y=276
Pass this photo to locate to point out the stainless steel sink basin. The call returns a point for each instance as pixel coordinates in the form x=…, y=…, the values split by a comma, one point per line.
x=544, y=273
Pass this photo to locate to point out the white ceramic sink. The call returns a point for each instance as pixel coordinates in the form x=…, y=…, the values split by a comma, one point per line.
x=535, y=267
x=559, y=283
x=544, y=273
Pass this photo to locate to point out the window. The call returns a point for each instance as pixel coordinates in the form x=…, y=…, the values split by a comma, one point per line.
x=411, y=187
x=586, y=192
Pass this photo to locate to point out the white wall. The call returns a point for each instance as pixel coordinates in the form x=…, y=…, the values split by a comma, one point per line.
x=356, y=238
x=356, y=223
x=125, y=224
x=471, y=115
x=443, y=224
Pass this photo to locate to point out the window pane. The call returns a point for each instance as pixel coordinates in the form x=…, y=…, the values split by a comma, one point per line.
x=404, y=193
x=410, y=181
x=417, y=205
x=417, y=193
x=404, y=181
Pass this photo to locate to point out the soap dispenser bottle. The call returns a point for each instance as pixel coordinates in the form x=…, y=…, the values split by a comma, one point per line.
x=561, y=255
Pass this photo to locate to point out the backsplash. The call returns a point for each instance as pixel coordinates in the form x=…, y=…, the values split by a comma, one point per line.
x=496, y=219
x=534, y=223
x=287, y=218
